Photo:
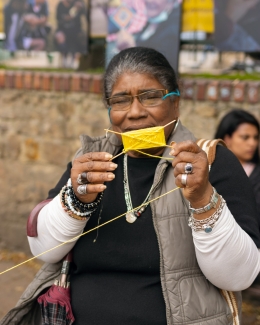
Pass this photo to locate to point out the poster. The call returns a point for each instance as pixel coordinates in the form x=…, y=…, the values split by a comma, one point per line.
x=1, y=18
x=198, y=15
x=148, y=23
x=98, y=18
x=46, y=25
x=237, y=25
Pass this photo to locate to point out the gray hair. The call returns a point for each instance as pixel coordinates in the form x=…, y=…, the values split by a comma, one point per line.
x=140, y=60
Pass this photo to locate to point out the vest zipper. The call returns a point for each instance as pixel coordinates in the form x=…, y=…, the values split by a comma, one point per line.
x=162, y=170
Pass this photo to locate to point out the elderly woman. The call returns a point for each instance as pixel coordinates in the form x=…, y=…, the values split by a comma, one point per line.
x=167, y=261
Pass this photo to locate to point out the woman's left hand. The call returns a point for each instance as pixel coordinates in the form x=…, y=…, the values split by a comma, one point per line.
x=197, y=190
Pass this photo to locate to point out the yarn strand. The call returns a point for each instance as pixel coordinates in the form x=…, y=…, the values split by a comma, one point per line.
x=86, y=232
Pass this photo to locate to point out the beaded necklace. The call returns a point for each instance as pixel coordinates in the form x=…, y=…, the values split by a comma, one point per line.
x=133, y=215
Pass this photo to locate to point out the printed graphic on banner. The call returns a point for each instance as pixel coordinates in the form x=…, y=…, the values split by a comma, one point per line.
x=198, y=15
x=98, y=18
x=46, y=25
x=149, y=23
x=237, y=25
x=1, y=17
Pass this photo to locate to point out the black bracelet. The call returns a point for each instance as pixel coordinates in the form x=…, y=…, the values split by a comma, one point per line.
x=71, y=203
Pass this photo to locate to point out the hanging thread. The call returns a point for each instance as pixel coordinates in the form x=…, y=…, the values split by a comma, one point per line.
x=87, y=232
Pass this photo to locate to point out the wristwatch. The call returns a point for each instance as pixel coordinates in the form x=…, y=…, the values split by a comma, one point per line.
x=212, y=204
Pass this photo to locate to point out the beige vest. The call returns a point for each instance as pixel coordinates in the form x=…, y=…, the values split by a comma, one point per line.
x=189, y=297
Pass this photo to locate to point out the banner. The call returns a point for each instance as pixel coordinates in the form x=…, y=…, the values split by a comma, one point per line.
x=98, y=18
x=46, y=25
x=237, y=25
x=1, y=17
x=198, y=15
x=148, y=23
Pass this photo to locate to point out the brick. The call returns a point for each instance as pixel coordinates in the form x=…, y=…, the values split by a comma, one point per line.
x=213, y=91
x=86, y=82
x=9, y=80
x=97, y=84
x=253, y=92
x=18, y=80
x=57, y=82
x=66, y=82
x=201, y=90
x=27, y=80
x=239, y=92
x=2, y=79
x=188, y=89
x=76, y=82
x=46, y=81
x=225, y=91
x=37, y=80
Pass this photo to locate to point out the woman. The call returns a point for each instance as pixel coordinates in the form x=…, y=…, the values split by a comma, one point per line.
x=240, y=130
x=155, y=270
x=70, y=37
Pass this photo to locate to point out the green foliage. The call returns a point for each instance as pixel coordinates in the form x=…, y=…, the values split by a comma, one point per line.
x=230, y=76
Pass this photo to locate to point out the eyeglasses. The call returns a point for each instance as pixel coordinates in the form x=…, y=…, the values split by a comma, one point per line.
x=147, y=99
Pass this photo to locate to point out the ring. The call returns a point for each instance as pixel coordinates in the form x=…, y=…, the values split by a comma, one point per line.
x=82, y=189
x=188, y=169
x=184, y=179
x=83, y=178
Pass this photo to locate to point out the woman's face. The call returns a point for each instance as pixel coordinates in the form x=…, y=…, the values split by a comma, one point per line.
x=243, y=142
x=138, y=116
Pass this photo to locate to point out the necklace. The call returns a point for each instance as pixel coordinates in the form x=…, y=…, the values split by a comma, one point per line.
x=132, y=215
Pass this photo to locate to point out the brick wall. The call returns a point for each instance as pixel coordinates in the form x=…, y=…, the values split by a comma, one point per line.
x=42, y=116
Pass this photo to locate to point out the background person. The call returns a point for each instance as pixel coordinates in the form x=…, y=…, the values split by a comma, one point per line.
x=13, y=22
x=159, y=30
x=70, y=37
x=35, y=29
x=240, y=130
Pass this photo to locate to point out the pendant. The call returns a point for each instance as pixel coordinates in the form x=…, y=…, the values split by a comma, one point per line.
x=130, y=217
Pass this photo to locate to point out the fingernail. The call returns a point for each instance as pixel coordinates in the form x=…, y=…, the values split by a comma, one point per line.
x=108, y=156
x=110, y=176
x=112, y=165
x=171, y=153
x=102, y=187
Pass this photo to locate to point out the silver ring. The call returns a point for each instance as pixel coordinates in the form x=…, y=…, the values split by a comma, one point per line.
x=184, y=179
x=83, y=178
x=82, y=189
x=188, y=169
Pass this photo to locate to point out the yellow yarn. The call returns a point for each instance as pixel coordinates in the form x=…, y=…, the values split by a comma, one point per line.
x=144, y=138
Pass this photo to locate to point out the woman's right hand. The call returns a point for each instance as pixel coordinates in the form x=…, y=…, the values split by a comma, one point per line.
x=98, y=169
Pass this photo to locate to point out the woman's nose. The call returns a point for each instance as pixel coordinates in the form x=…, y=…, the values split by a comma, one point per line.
x=136, y=109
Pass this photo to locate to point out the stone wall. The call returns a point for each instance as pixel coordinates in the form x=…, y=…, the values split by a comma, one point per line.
x=39, y=134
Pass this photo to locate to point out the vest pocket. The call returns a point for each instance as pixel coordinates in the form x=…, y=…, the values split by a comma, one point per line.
x=201, y=301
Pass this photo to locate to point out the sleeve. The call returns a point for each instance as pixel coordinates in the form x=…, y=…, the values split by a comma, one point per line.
x=228, y=177
x=63, y=180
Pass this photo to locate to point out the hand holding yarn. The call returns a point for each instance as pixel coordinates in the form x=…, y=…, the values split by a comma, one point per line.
x=191, y=172
x=89, y=173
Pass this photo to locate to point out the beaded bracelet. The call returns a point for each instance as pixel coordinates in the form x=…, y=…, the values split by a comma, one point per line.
x=75, y=208
x=208, y=224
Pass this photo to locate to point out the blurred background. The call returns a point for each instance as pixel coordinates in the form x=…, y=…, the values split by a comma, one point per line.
x=52, y=57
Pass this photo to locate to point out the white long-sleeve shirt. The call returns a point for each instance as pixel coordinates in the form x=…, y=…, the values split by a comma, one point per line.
x=227, y=256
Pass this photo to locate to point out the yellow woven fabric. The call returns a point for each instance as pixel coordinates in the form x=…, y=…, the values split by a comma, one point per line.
x=144, y=138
